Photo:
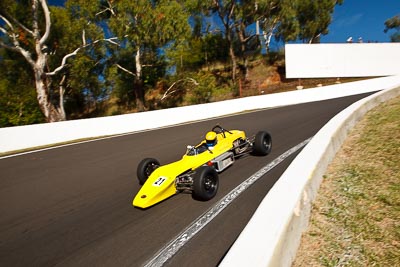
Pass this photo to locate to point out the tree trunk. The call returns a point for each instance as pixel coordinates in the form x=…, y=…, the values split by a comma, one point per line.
x=49, y=110
x=226, y=18
x=61, y=92
x=138, y=85
x=231, y=51
x=52, y=110
x=234, y=64
x=243, y=41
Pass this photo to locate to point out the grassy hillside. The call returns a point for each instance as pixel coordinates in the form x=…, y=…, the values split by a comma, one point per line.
x=355, y=218
x=266, y=75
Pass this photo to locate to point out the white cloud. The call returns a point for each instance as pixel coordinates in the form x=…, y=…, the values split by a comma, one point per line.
x=349, y=21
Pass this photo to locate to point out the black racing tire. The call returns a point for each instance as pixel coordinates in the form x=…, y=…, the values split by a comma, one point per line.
x=262, y=143
x=145, y=168
x=205, y=183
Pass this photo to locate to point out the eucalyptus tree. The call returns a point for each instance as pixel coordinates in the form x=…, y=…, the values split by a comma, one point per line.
x=27, y=28
x=277, y=19
x=393, y=24
x=26, y=36
x=247, y=14
x=271, y=16
x=226, y=11
x=140, y=26
x=314, y=18
x=237, y=18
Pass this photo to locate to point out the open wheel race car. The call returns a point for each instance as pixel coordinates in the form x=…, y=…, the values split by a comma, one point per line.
x=197, y=171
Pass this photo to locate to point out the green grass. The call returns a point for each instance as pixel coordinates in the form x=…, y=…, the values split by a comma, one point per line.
x=355, y=220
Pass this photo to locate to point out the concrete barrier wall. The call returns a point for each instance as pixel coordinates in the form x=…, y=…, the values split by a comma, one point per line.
x=23, y=137
x=272, y=236
x=342, y=60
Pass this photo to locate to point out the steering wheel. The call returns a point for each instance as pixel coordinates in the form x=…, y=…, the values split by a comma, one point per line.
x=218, y=129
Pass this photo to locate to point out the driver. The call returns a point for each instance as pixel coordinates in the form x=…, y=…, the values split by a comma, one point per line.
x=211, y=139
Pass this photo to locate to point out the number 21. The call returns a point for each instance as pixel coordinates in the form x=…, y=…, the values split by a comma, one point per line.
x=159, y=181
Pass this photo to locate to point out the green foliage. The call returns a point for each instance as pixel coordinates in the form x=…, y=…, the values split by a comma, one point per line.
x=18, y=107
x=83, y=88
x=20, y=10
x=215, y=48
x=203, y=92
x=288, y=26
x=150, y=38
x=142, y=28
x=155, y=66
x=122, y=82
x=18, y=104
x=314, y=18
x=393, y=24
x=150, y=23
x=306, y=20
x=197, y=53
x=69, y=31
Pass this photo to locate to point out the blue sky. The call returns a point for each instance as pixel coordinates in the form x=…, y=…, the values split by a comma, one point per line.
x=355, y=18
x=362, y=18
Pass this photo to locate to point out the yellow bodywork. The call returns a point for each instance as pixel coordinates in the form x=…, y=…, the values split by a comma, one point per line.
x=161, y=183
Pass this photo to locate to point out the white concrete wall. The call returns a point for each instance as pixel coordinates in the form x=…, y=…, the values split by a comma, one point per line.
x=22, y=137
x=272, y=236
x=342, y=60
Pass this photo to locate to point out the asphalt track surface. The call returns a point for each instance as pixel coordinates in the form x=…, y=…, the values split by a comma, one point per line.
x=71, y=206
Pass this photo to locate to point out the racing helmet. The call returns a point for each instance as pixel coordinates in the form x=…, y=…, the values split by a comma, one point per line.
x=211, y=139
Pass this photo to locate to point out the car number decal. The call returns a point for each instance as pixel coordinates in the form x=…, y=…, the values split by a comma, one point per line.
x=160, y=181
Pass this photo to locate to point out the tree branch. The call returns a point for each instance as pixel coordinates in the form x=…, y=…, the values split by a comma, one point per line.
x=16, y=47
x=126, y=70
x=64, y=62
x=13, y=48
x=3, y=30
x=46, y=12
x=11, y=34
x=167, y=93
x=22, y=26
x=232, y=9
x=35, y=24
x=83, y=37
x=109, y=8
x=75, y=52
x=109, y=40
x=8, y=23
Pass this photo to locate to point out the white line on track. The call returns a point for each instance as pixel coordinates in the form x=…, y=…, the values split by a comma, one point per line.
x=180, y=240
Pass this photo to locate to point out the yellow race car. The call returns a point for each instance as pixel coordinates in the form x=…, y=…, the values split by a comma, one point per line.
x=197, y=171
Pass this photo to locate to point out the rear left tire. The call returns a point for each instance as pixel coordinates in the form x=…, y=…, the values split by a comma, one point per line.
x=262, y=143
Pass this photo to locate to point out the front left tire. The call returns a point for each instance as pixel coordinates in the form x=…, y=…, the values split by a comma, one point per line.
x=145, y=168
x=205, y=183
